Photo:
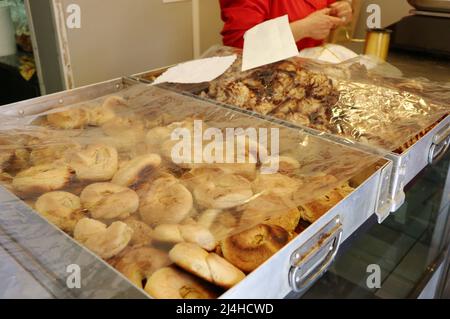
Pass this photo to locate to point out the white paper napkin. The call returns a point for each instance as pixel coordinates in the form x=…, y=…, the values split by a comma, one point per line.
x=268, y=42
x=197, y=71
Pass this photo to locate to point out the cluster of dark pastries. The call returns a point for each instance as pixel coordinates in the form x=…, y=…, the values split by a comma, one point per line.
x=283, y=90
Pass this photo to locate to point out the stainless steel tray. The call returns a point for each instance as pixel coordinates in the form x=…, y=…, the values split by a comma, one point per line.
x=428, y=150
x=294, y=268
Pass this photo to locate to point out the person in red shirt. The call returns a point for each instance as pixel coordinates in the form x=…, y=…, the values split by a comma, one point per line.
x=311, y=20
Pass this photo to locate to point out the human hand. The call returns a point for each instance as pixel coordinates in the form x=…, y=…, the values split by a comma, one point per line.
x=317, y=25
x=342, y=10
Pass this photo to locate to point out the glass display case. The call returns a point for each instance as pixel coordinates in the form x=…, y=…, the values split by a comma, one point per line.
x=408, y=251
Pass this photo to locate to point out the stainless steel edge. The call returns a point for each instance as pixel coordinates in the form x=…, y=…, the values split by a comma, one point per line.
x=384, y=202
x=271, y=279
x=418, y=154
x=47, y=102
x=49, y=252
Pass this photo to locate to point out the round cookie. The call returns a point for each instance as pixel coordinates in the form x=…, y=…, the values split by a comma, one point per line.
x=138, y=264
x=60, y=208
x=142, y=233
x=222, y=191
x=73, y=118
x=137, y=169
x=42, y=179
x=109, y=201
x=172, y=283
x=208, y=266
x=94, y=163
x=106, y=242
x=249, y=249
x=166, y=202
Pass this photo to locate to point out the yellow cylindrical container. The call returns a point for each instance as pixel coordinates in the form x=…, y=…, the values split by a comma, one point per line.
x=377, y=43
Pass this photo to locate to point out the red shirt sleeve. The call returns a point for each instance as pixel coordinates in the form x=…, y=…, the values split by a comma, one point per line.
x=239, y=16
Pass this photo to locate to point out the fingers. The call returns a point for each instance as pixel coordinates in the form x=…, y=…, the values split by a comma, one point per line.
x=325, y=11
x=335, y=21
x=341, y=9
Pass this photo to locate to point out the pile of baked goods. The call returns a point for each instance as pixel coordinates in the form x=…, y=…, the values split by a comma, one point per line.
x=103, y=173
x=282, y=90
x=320, y=97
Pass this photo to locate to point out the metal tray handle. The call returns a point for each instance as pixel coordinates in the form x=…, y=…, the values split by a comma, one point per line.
x=440, y=146
x=312, y=260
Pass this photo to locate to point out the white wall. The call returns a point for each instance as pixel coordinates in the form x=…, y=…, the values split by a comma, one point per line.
x=210, y=24
x=123, y=37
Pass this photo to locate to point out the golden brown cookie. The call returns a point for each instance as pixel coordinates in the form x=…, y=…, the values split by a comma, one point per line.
x=94, y=163
x=271, y=209
x=317, y=208
x=208, y=266
x=222, y=191
x=42, y=179
x=136, y=170
x=109, y=201
x=249, y=249
x=191, y=233
x=276, y=184
x=73, y=118
x=138, y=264
x=106, y=242
x=166, y=202
x=60, y=208
x=172, y=283
x=142, y=233
x=48, y=154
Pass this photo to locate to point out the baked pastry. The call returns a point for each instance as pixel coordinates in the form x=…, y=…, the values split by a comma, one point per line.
x=191, y=233
x=219, y=222
x=166, y=202
x=277, y=184
x=156, y=136
x=138, y=264
x=244, y=162
x=20, y=160
x=61, y=209
x=221, y=191
x=271, y=209
x=314, y=210
x=168, y=147
x=345, y=189
x=287, y=165
x=73, y=118
x=172, y=283
x=94, y=163
x=249, y=249
x=6, y=157
x=105, y=241
x=136, y=170
x=101, y=114
x=208, y=266
x=284, y=90
x=126, y=131
x=42, y=179
x=48, y=154
x=109, y=201
x=142, y=233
